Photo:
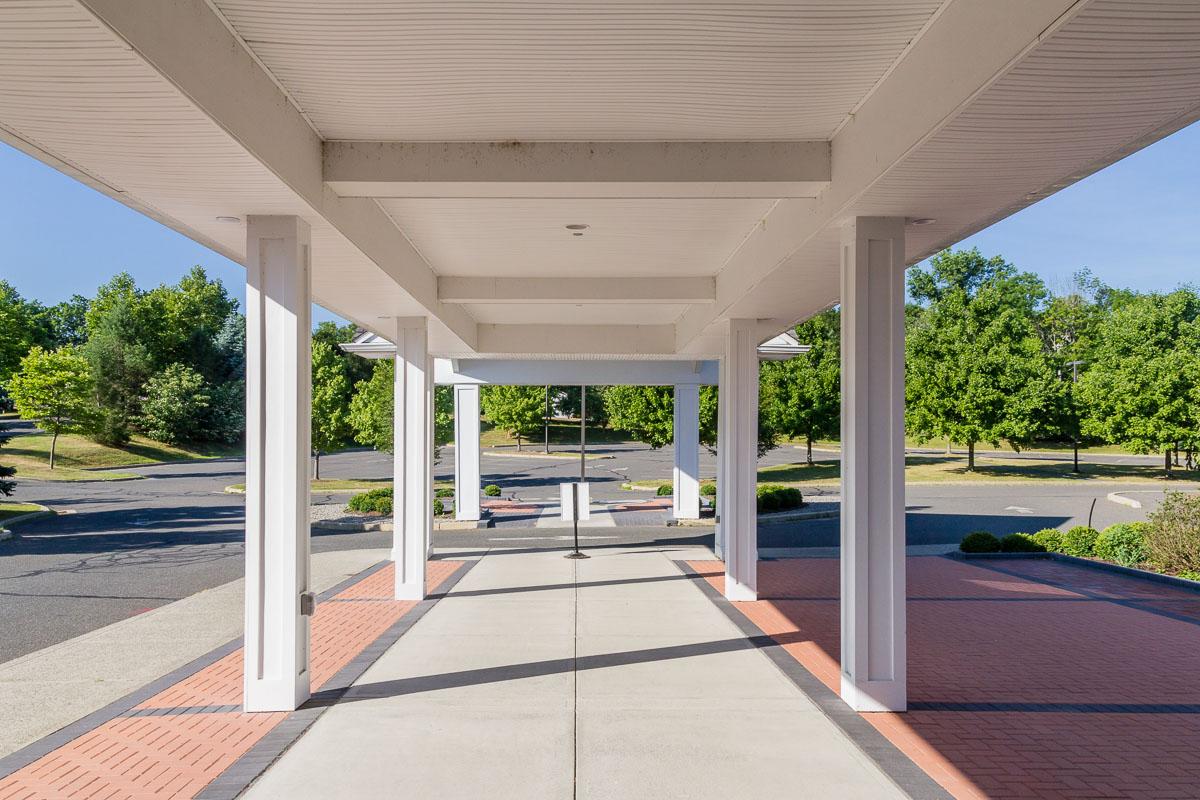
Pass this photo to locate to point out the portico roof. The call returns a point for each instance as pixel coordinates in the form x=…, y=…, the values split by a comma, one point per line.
x=442, y=151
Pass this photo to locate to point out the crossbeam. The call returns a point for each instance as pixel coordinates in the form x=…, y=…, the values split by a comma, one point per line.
x=452, y=289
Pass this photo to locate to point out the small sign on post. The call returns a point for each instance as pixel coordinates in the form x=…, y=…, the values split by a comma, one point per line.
x=575, y=505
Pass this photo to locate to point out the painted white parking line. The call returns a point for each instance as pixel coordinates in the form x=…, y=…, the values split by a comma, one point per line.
x=1019, y=509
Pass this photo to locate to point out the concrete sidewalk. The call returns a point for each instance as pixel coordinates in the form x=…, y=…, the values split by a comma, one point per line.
x=542, y=677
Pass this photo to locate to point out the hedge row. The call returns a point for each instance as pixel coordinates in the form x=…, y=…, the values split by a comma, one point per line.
x=379, y=501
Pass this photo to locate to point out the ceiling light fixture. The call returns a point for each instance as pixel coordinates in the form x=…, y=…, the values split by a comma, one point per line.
x=229, y=219
x=924, y=221
x=577, y=226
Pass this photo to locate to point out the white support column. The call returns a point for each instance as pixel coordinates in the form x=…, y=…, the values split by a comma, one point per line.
x=466, y=452
x=412, y=464
x=738, y=451
x=278, y=413
x=686, y=477
x=873, y=614
x=719, y=527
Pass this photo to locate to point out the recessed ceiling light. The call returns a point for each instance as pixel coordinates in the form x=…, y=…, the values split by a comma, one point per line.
x=577, y=233
x=229, y=219
x=924, y=221
x=577, y=226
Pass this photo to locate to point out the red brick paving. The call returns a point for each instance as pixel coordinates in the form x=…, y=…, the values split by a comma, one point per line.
x=177, y=755
x=981, y=636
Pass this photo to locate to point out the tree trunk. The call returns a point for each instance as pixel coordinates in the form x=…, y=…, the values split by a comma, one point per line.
x=970, y=456
x=53, y=445
x=1167, y=460
x=518, y=442
x=809, y=442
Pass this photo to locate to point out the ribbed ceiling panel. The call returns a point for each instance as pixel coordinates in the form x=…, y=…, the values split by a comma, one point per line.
x=528, y=237
x=492, y=71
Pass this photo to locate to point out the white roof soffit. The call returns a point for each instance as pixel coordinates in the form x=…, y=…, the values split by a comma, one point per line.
x=540, y=187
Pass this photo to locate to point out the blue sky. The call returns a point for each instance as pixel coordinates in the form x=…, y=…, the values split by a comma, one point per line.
x=1135, y=225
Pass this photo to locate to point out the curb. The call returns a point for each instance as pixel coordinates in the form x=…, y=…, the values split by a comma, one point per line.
x=1104, y=566
x=1117, y=497
x=553, y=456
x=32, y=515
x=382, y=525
x=790, y=516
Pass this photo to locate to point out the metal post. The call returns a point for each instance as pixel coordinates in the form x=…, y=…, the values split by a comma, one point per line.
x=546, y=421
x=575, y=521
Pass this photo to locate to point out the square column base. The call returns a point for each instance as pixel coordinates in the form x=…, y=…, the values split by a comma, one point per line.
x=874, y=696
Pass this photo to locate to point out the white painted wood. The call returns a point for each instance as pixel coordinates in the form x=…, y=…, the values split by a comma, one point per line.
x=466, y=452
x=872, y=521
x=557, y=169
x=591, y=372
x=686, y=474
x=613, y=340
x=491, y=290
x=278, y=445
x=738, y=452
x=412, y=459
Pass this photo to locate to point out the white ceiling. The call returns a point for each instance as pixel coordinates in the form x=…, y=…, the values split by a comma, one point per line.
x=528, y=237
x=480, y=70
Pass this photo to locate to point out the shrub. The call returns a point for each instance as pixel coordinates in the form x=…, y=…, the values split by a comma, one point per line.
x=376, y=501
x=1189, y=574
x=1124, y=543
x=438, y=507
x=1080, y=541
x=444, y=491
x=709, y=490
x=175, y=405
x=1020, y=543
x=771, y=497
x=491, y=490
x=1051, y=539
x=979, y=542
x=666, y=490
x=1173, y=535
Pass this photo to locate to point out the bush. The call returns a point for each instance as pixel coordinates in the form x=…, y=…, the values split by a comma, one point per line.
x=444, y=491
x=1020, y=543
x=376, y=501
x=1080, y=541
x=1173, y=535
x=1189, y=574
x=491, y=490
x=1051, y=539
x=438, y=507
x=771, y=497
x=175, y=405
x=666, y=490
x=979, y=542
x=708, y=490
x=1124, y=543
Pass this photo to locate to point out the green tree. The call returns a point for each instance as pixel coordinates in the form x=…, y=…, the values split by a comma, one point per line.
x=515, y=409
x=357, y=367
x=768, y=437
x=55, y=389
x=176, y=405
x=121, y=363
x=976, y=369
x=1142, y=387
x=66, y=322
x=371, y=407
x=22, y=326
x=566, y=400
x=646, y=412
x=806, y=389
x=330, y=402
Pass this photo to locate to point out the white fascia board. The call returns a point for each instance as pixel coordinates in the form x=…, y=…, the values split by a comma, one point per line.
x=578, y=169
x=578, y=340
x=574, y=373
x=697, y=289
x=191, y=47
x=941, y=74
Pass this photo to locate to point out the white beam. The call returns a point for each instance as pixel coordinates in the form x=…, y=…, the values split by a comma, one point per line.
x=590, y=340
x=686, y=474
x=466, y=452
x=942, y=73
x=589, y=372
x=412, y=446
x=278, y=411
x=191, y=47
x=578, y=169
x=698, y=289
x=738, y=452
x=872, y=532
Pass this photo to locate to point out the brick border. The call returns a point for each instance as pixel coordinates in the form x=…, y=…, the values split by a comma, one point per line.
x=246, y=769
x=903, y=771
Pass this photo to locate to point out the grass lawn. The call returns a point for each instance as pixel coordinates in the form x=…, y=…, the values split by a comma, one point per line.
x=953, y=469
x=10, y=510
x=562, y=432
x=77, y=455
x=940, y=444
